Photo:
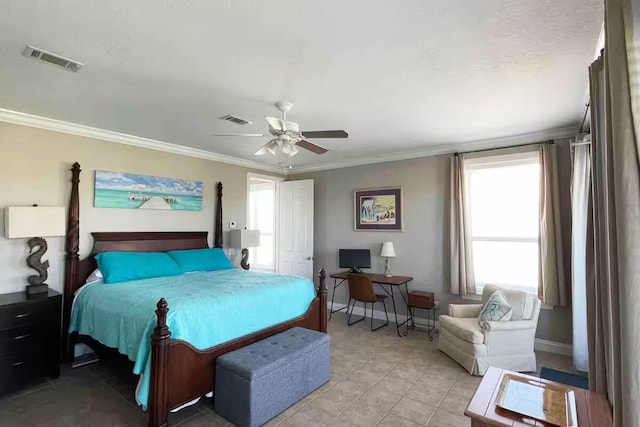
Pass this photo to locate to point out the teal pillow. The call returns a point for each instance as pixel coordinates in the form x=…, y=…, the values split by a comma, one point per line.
x=495, y=309
x=201, y=260
x=124, y=266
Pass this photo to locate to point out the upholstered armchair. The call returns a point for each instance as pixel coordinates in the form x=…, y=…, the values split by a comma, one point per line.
x=504, y=344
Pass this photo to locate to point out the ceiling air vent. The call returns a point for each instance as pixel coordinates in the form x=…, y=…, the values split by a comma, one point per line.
x=52, y=58
x=235, y=119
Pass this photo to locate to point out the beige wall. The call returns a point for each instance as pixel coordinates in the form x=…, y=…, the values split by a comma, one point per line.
x=421, y=249
x=34, y=168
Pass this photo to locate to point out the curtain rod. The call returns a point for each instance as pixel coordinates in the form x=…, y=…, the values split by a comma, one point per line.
x=501, y=148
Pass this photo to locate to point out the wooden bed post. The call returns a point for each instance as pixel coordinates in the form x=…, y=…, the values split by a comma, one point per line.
x=322, y=294
x=71, y=260
x=158, y=392
x=217, y=235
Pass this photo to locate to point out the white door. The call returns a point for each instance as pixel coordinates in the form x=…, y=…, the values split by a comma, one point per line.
x=295, y=233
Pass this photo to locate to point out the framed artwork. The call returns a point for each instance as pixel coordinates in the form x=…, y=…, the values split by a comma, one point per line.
x=131, y=191
x=378, y=209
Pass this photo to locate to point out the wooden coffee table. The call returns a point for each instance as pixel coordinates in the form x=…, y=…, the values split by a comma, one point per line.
x=593, y=408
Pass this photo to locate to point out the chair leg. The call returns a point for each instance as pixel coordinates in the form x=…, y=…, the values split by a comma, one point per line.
x=386, y=314
x=365, y=313
x=350, y=311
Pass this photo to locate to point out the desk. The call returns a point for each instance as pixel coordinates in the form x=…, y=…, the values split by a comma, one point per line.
x=592, y=408
x=387, y=284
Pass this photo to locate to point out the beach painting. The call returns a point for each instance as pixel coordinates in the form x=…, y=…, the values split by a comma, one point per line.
x=131, y=191
x=378, y=209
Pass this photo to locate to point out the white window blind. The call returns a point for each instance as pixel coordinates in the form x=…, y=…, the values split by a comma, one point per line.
x=504, y=196
x=262, y=217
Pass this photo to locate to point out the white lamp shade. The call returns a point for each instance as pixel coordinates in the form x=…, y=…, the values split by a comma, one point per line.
x=34, y=221
x=244, y=238
x=387, y=250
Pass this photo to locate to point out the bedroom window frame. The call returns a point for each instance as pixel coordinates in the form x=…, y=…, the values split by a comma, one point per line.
x=528, y=157
x=254, y=179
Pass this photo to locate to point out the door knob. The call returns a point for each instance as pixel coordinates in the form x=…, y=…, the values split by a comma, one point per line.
x=308, y=258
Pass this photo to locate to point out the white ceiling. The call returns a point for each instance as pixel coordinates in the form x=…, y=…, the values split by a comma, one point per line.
x=397, y=75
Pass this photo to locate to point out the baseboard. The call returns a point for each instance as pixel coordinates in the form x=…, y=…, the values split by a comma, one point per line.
x=553, y=347
x=540, y=344
x=377, y=314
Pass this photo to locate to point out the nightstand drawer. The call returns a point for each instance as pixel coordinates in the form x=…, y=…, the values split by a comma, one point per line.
x=24, y=314
x=22, y=340
x=30, y=330
x=18, y=370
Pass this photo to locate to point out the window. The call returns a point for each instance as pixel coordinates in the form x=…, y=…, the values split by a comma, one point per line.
x=504, y=196
x=261, y=216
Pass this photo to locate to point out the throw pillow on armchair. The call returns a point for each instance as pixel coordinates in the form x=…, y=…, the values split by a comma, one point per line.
x=495, y=309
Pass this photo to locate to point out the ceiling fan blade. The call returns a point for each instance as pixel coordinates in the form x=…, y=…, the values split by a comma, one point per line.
x=275, y=123
x=239, y=134
x=326, y=134
x=283, y=125
x=264, y=149
x=303, y=143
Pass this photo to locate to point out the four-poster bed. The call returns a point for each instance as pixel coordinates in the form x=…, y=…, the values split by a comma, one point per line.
x=179, y=371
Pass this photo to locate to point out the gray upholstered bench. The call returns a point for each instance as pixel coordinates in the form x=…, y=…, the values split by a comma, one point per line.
x=258, y=382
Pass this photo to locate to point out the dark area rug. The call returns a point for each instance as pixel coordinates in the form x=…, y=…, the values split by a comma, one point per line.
x=564, y=378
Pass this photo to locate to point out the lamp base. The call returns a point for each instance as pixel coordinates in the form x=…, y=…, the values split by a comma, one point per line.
x=387, y=268
x=245, y=258
x=37, y=290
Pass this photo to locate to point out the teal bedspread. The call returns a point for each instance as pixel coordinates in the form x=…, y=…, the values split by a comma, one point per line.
x=205, y=309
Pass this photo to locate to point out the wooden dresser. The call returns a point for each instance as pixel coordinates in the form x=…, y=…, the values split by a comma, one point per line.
x=30, y=334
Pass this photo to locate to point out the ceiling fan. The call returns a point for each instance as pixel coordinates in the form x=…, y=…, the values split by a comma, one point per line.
x=288, y=137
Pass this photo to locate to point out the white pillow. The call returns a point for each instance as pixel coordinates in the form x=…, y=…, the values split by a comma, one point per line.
x=95, y=276
x=495, y=309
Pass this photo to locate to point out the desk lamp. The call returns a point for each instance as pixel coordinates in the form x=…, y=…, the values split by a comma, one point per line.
x=387, y=252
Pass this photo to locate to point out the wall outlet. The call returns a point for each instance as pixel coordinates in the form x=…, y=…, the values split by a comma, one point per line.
x=232, y=224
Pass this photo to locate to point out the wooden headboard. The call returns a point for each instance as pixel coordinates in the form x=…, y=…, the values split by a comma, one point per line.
x=138, y=242
x=77, y=271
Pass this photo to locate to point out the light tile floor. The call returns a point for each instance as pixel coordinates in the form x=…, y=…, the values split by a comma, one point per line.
x=377, y=379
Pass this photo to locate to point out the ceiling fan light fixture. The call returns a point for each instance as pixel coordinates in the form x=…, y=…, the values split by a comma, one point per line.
x=288, y=137
x=272, y=148
x=289, y=148
x=286, y=148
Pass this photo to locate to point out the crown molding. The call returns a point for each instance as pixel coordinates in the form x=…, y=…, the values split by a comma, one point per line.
x=436, y=150
x=30, y=120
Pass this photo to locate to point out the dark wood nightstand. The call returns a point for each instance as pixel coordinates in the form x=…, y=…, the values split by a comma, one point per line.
x=30, y=333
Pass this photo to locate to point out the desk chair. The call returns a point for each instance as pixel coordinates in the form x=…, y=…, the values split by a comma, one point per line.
x=361, y=289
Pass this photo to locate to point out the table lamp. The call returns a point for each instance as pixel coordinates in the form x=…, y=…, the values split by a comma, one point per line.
x=387, y=252
x=27, y=222
x=243, y=239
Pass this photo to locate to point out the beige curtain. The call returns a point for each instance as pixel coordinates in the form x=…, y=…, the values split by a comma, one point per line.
x=462, y=277
x=552, y=288
x=613, y=282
